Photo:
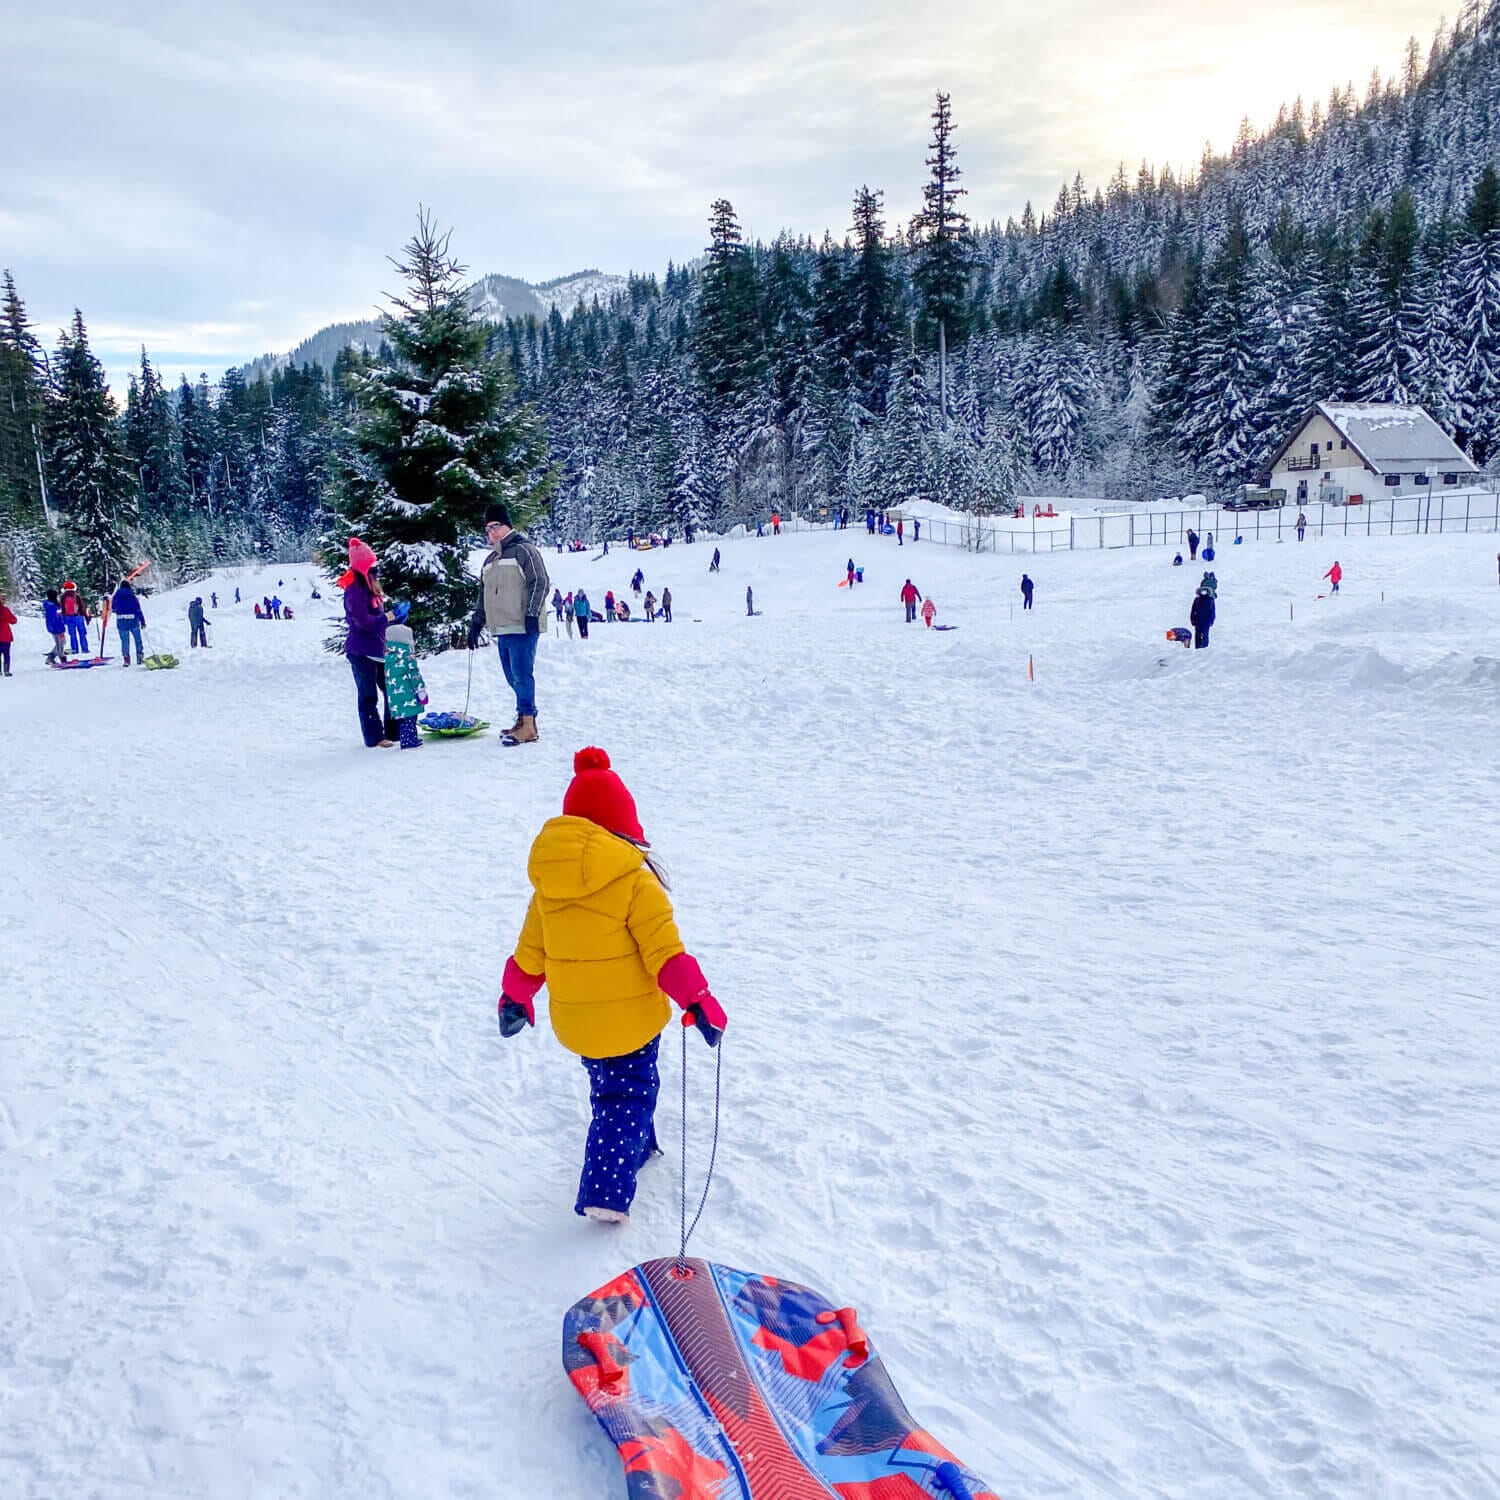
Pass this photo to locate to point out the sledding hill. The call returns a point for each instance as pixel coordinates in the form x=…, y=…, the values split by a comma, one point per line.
x=1118, y=1042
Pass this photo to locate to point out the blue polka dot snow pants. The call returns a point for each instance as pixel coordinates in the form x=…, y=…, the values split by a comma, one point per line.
x=622, y=1134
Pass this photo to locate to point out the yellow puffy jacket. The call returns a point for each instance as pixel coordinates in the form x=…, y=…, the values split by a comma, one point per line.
x=599, y=927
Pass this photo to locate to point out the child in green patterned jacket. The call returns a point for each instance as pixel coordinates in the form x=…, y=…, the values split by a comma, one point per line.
x=405, y=692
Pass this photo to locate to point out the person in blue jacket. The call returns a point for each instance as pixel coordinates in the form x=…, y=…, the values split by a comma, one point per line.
x=582, y=612
x=1027, y=586
x=126, y=609
x=56, y=628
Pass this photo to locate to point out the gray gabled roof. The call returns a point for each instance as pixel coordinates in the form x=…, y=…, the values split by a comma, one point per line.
x=1392, y=438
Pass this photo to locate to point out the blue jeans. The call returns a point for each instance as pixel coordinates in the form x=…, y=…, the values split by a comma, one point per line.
x=78, y=632
x=130, y=630
x=366, y=687
x=517, y=661
x=622, y=1133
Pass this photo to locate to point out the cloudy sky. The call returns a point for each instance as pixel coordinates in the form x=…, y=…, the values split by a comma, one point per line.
x=221, y=180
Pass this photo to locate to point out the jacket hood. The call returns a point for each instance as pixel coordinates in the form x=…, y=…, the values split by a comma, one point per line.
x=573, y=858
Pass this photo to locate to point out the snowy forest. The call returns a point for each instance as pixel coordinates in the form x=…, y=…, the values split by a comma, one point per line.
x=1157, y=335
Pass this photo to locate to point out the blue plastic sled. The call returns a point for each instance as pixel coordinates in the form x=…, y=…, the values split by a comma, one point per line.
x=716, y=1384
x=79, y=663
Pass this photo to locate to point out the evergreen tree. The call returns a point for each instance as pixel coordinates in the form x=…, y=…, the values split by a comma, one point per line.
x=941, y=231
x=22, y=412
x=1476, y=323
x=1225, y=427
x=155, y=445
x=437, y=437
x=729, y=336
x=93, y=483
x=871, y=298
x=1387, y=307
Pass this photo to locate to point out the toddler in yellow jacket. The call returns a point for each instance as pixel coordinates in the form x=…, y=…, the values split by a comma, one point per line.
x=600, y=934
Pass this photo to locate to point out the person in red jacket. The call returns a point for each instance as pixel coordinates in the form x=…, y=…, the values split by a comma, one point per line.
x=929, y=613
x=1334, y=574
x=7, y=619
x=910, y=597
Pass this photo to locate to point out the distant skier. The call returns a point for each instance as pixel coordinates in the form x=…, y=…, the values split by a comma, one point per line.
x=666, y=606
x=7, y=636
x=713, y=567
x=1301, y=525
x=129, y=619
x=75, y=618
x=582, y=612
x=52, y=617
x=1192, y=541
x=197, y=623
x=929, y=610
x=910, y=597
x=1335, y=575
x=1027, y=587
x=1201, y=618
x=405, y=692
x=749, y=600
x=601, y=934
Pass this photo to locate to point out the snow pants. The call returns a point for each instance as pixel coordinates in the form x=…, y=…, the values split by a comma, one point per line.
x=410, y=739
x=367, y=700
x=1200, y=637
x=518, y=662
x=583, y=626
x=199, y=636
x=622, y=1132
x=1025, y=601
x=78, y=633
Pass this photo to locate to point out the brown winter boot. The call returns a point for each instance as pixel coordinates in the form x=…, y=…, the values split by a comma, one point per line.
x=525, y=731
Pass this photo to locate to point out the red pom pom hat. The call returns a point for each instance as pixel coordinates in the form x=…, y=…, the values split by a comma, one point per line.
x=598, y=794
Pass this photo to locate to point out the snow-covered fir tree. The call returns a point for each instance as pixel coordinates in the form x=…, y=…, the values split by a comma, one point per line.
x=436, y=438
x=92, y=479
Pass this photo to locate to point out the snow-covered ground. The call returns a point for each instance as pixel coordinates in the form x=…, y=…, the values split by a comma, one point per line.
x=1122, y=1043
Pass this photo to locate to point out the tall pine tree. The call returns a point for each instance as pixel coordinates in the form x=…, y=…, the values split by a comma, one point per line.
x=437, y=437
x=93, y=482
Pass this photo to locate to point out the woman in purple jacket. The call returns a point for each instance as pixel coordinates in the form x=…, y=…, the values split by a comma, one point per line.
x=364, y=645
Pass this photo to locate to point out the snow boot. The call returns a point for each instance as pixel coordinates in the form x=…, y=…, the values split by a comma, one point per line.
x=524, y=733
x=606, y=1215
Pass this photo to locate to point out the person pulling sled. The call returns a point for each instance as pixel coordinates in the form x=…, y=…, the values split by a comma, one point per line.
x=601, y=935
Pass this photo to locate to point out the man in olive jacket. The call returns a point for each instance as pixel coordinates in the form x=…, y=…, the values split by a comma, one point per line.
x=513, y=586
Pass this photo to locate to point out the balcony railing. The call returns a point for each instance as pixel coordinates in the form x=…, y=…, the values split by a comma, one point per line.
x=1304, y=463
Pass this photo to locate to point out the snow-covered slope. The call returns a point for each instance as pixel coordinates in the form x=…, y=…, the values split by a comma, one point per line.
x=569, y=292
x=1120, y=1043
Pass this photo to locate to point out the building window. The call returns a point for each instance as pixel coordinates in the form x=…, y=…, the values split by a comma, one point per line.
x=1392, y=480
x=1315, y=450
x=1420, y=479
x=1343, y=442
x=1450, y=478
